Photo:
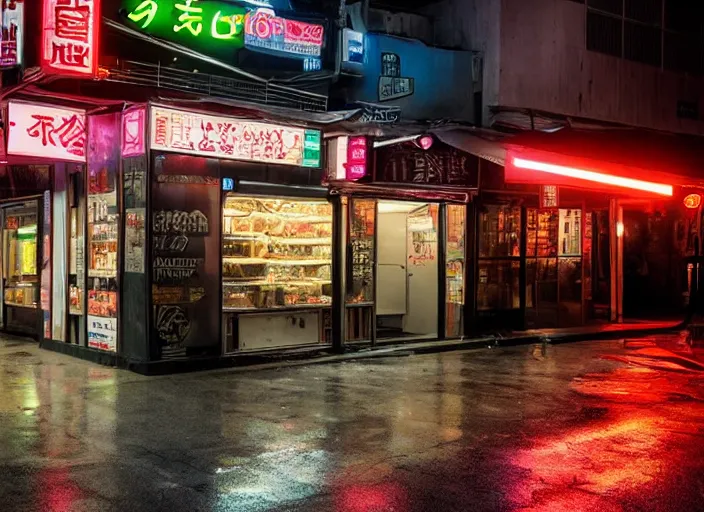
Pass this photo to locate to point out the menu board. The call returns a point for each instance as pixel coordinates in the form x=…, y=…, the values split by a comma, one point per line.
x=360, y=279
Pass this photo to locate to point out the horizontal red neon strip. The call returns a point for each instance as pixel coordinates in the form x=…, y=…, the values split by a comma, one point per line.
x=607, y=179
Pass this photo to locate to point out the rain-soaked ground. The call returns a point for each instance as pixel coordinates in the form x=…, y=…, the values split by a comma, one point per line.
x=596, y=426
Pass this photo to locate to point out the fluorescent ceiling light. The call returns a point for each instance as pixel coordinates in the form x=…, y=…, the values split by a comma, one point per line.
x=597, y=177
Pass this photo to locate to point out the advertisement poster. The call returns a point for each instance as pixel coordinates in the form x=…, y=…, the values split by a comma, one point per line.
x=134, y=240
x=102, y=333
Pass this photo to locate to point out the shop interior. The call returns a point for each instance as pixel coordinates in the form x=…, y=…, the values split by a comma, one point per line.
x=20, y=243
x=407, y=270
x=277, y=271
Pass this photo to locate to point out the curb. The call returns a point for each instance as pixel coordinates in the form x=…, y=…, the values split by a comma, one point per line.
x=318, y=357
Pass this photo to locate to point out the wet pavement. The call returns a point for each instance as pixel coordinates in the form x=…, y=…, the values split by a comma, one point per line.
x=594, y=426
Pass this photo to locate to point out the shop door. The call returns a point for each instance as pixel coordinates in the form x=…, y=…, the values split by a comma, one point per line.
x=422, y=271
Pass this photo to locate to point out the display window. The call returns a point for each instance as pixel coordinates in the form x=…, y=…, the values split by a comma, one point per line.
x=276, y=253
x=20, y=245
x=456, y=265
x=499, y=258
x=103, y=238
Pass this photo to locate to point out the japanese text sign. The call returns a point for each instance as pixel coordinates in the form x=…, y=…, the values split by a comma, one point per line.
x=226, y=137
x=46, y=132
x=356, y=167
x=264, y=31
x=12, y=37
x=133, y=131
x=209, y=26
x=70, y=37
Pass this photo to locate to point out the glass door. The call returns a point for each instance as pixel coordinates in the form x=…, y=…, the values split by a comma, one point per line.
x=359, y=296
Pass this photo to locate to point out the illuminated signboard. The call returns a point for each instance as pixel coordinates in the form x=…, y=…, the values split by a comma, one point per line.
x=12, y=37
x=356, y=167
x=46, y=132
x=70, y=37
x=352, y=46
x=211, y=27
x=236, y=139
x=264, y=31
x=133, y=131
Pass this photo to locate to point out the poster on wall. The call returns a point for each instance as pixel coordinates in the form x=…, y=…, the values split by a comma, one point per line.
x=185, y=261
x=422, y=236
x=102, y=333
x=135, y=240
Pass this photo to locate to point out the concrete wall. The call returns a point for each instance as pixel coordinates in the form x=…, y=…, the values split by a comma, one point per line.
x=535, y=56
x=442, y=84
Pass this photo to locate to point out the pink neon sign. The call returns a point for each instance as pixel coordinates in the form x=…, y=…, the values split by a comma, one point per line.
x=46, y=132
x=70, y=37
x=356, y=167
x=133, y=132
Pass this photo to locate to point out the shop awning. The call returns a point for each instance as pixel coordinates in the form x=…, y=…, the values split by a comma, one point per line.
x=486, y=144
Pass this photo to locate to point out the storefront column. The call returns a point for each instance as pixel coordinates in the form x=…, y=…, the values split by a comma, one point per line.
x=339, y=244
x=616, y=259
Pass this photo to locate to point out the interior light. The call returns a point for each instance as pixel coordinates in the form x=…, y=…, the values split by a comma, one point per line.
x=598, y=177
x=692, y=201
x=619, y=229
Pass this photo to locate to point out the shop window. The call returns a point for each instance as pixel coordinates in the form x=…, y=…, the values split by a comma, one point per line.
x=20, y=263
x=456, y=265
x=76, y=255
x=499, y=257
x=500, y=232
x=360, y=269
x=277, y=253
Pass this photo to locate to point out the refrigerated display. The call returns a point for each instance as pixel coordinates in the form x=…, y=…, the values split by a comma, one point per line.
x=276, y=253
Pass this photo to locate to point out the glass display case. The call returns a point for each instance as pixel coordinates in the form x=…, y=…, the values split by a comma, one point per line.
x=276, y=253
x=20, y=246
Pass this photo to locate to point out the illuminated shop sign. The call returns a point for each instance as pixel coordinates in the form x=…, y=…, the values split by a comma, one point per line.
x=264, y=31
x=12, y=37
x=133, y=131
x=230, y=138
x=192, y=23
x=356, y=167
x=46, y=132
x=70, y=37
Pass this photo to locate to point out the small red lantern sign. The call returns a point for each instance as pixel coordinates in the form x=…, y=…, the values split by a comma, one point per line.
x=692, y=201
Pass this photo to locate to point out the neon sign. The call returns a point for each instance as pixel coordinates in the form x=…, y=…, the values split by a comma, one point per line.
x=235, y=139
x=133, y=131
x=264, y=31
x=209, y=26
x=47, y=132
x=70, y=37
x=11, y=44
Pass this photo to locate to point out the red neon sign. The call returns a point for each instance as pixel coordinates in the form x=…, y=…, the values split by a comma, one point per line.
x=70, y=37
x=595, y=177
x=356, y=167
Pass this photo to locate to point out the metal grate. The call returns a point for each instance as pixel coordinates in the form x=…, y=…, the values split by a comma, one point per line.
x=265, y=93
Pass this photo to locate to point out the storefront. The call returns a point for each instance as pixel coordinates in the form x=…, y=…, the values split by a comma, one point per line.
x=405, y=236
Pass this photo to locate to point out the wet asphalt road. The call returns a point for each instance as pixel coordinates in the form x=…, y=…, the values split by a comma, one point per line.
x=599, y=426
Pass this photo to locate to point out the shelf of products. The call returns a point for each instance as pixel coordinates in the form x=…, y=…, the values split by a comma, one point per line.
x=103, y=231
x=277, y=253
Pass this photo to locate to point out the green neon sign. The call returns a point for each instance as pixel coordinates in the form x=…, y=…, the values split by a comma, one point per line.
x=209, y=26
